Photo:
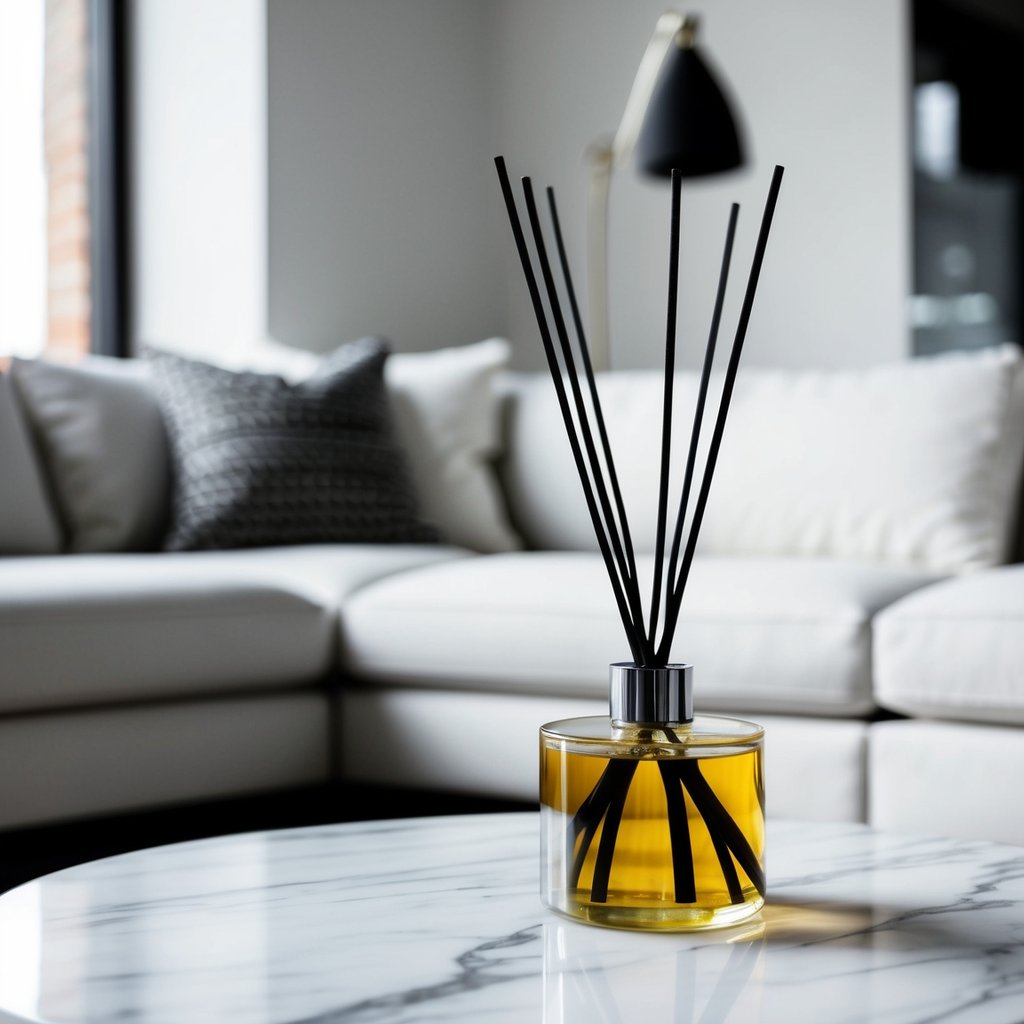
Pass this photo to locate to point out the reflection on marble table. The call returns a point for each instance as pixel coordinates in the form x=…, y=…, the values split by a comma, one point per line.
x=439, y=920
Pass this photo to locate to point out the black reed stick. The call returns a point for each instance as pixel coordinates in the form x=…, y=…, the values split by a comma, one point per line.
x=595, y=398
x=666, y=409
x=675, y=598
x=725, y=861
x=672, y=776
x=679, y=836
x=632, y=633
x=610, y=831
x=702, y=394
x=632, y=596
x=586, y=820
x=606, y=799
x=720, y=822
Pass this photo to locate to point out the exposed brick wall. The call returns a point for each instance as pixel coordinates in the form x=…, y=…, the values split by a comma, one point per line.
x=66, y=147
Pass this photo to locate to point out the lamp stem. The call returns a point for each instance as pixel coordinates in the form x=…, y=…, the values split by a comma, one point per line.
x=597, y=256
x=687, y=34
x=603, y=158
x=666, y=31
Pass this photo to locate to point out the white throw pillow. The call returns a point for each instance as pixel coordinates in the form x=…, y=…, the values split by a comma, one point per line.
x=102, y=439
x=914, y=464
x=447, y=416
x=28, y=525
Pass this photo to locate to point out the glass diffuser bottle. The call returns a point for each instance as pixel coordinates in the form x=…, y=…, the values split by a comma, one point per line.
x=652, y=818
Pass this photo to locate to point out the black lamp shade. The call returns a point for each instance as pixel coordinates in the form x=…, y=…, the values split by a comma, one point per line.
x=689, y=124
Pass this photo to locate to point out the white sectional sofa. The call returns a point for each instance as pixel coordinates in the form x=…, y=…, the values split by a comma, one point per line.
x=851, y=592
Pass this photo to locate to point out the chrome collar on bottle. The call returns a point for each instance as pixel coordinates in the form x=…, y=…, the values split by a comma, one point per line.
x=650, y=696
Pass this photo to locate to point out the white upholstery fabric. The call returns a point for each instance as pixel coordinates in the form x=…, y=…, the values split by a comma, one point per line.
x=942, y=778
x=463, y=742
x=956, y=650
x=914, y=464
x=763, y=635
x=487, y=744
x=815, y=768
x=103, y=628
x=28, y=525
x=447, y=421
x=328, y=573
x=102, y=436
x=65, y=765
x=263, y=356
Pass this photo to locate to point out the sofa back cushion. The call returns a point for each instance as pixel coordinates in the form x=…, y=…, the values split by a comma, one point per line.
x=28, y=525
x=100, y=433
x=914, y=464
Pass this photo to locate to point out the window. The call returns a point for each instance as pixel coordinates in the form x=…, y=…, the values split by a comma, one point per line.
x=62, y=278
x=23, y=272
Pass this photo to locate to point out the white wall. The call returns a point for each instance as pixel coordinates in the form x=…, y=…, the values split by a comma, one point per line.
x=384, y=214
x=198, y=168
x=380, y=191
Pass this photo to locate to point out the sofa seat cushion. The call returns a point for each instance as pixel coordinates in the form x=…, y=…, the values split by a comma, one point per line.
x=71, y=764
x=946, y=779
x=956, y=650
x=94, y=629
x=763, y=635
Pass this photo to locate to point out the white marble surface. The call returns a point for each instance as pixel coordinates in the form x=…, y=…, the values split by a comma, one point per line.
x=438, y=920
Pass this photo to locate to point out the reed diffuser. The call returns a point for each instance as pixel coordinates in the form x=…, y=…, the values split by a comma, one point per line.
x=651, y=817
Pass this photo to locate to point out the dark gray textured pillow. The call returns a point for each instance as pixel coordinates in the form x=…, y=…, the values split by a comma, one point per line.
x=259, y=462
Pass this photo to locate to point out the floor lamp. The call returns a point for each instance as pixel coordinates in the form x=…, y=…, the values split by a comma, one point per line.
x=676, y=116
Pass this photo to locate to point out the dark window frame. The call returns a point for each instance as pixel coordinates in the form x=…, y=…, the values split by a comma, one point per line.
x=108, y=177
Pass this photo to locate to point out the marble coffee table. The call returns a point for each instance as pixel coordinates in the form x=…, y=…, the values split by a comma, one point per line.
x=438, y=920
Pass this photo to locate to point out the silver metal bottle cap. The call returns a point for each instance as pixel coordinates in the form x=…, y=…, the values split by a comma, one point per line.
x=650, y=696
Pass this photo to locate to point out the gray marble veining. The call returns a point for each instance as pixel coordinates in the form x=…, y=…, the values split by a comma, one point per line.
x=439, y=920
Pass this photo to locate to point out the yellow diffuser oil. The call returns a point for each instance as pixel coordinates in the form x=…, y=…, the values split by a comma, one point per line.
x=656, y=825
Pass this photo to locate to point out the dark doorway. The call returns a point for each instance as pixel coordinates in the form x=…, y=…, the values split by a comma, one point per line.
x=967, y=149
